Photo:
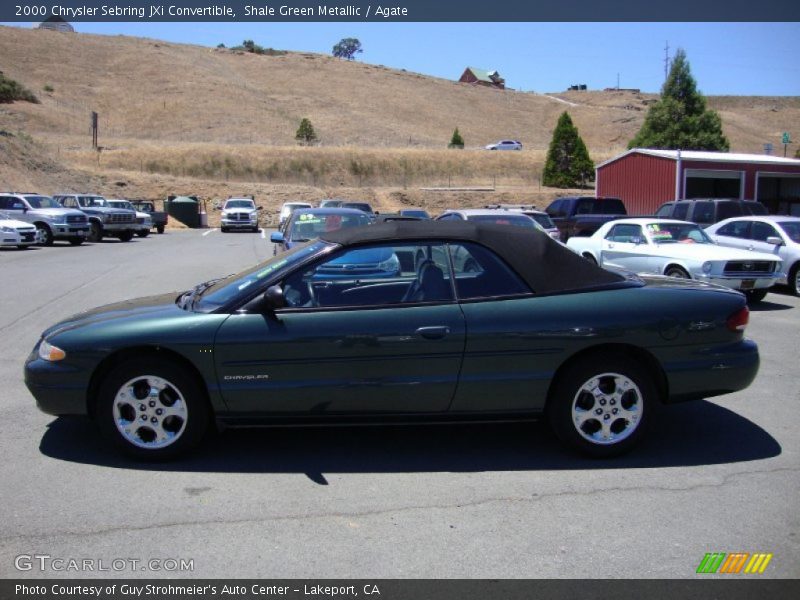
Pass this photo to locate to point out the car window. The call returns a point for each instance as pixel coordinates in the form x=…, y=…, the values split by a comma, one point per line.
x=683, y=233
x=754, y=208
x=479, y=273
x=726, y=210
x=625, y=233
x=505, y=219
x=554, y=210
x=792, y=229
x=543, y=219
x=703, y=213
x=665, y=210
x=761, y=231
x=307, y=226
x=737, y=229
x=680, y=211
x=376, y=275
x=450, y=217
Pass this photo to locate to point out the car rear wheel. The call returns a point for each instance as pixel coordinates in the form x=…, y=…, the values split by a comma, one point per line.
x=675, y=271
x=601, y=406
x=44, y=236
x=152, y=409
x=143, y=234
x=590, y=258
x=160, y=229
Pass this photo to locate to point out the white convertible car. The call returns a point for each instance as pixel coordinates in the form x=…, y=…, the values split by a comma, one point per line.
x=678, y=249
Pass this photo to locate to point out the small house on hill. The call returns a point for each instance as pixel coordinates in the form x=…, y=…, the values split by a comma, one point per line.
x=483, y=77
x=56, y=23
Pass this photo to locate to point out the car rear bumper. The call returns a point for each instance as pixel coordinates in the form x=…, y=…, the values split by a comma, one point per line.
x=712, y=371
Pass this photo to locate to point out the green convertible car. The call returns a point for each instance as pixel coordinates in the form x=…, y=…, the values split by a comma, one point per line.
x=471, y=322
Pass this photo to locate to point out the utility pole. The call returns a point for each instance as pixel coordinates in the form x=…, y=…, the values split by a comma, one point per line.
x=666, y=61
x=617, y=81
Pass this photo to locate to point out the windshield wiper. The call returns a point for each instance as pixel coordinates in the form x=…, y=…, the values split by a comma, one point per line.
x=189, y=298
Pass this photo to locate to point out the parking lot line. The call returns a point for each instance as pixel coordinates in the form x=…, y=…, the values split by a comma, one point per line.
x=205, y=233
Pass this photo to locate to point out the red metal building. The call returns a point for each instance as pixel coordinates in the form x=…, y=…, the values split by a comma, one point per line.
x=644, y=179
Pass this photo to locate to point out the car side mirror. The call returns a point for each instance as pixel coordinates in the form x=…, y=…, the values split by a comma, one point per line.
x=259, y=208
x=273, y=297
x=276, y=237
x=775, y=240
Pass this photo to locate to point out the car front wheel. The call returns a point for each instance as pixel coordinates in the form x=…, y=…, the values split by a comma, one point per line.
x=601, y=406
x=152, y=409
x=44, y=236
x=794, y=279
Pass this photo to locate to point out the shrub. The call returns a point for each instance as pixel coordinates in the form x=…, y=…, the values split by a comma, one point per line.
x=10, y=91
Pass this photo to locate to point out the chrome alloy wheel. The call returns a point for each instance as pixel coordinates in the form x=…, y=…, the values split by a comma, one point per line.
x=150, y=412
x=607, y=408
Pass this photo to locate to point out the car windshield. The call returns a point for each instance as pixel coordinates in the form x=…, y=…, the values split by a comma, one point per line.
x=239, y=204
x=518, y=220
x=792, y=229
x=228, y=288
x=416, y=213
x=682, y=233
x=93, y=201
x=42, y=202
x=120, y=204
x=358, y=206
x=543, y=219
x=308, y=226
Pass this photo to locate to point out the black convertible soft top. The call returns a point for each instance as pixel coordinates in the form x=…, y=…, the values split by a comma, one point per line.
x=547, y=266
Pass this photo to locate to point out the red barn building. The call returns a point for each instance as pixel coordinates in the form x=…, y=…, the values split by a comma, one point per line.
x=644, y=179
x=483, y=77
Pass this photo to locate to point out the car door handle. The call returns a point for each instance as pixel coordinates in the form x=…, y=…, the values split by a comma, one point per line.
x=610, y=245
x=433, y=333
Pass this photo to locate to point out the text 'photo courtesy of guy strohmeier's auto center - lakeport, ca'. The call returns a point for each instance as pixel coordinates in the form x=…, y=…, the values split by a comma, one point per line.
x=424, y=300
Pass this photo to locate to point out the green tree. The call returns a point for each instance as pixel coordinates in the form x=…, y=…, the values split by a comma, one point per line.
x=568, y=163
x=347, y=48
x=305, y=133
x=456, y=141
x=680, y=119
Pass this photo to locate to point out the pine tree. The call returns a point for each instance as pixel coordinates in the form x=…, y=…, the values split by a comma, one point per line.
x=680, y=119
x=568, y=163
x=456, y=141
x=305, y=133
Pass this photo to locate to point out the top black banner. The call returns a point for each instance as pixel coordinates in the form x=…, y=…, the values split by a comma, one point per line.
x=400, y=10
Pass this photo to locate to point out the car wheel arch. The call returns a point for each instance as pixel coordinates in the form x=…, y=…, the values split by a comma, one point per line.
x=627, y=351
x=679, y=266
x=110, y=362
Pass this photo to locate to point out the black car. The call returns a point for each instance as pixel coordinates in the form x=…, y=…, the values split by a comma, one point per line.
x=707, y=211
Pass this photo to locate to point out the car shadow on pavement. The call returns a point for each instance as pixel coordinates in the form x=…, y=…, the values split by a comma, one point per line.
x=768, y=306
x=696, y=433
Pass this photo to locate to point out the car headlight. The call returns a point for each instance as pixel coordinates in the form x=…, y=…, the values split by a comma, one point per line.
x=707, y=267
x=106, y=218
x=5, y=229
x=253, y=216
x=51, y=353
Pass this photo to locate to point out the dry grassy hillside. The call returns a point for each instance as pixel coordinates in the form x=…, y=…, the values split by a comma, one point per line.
x=190, y=117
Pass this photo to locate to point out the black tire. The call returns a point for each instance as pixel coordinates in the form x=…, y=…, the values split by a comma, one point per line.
x=676, y=271
x=223, y=229
x=160, y=229
x=590, y=258
x=122, y=400
x=126, y=236
x=755, y=296
x=614, y=373
x=22, y=246
x=44, y=234
x=143, y=234
x=793, y=281
x=75, y=241
x=95, y=232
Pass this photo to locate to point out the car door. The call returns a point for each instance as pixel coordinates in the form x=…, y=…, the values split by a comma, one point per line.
x=735, y=234
x=355, y=337
x=15, y=208
x=625, y=247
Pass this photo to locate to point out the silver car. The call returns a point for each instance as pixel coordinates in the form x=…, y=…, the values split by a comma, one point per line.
x=772, y=234
x=505, y=145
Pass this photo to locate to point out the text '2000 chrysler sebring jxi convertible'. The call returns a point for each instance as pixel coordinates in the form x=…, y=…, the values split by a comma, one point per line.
x=471, y=322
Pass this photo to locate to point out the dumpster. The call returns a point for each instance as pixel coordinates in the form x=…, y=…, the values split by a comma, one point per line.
x=185, y=209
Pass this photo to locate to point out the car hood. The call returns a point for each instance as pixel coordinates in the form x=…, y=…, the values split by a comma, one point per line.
x=127, y=309
x=15, y=224
x=711, y=252
x=56, y=212
x=240, y=209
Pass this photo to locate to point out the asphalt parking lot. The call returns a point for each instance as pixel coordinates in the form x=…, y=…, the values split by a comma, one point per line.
x=489, y=501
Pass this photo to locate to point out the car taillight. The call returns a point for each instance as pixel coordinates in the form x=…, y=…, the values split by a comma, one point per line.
x=739, y=320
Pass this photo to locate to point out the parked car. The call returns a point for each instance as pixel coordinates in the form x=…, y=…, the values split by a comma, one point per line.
x=52, y=221
x=287, y=208
x=505, y=145
x=105, y=220
x=16, y=233
x=144, y=222
x=678, y=249
x=330, y=203
x=239, y=213
x=707, y=211
x=158, y=218
x=583, y=215
x=387, y=217
x=309, y=223
x=543, y=219
x=414, y=212
x=362, y=206
x=497, y=216
x=537, y=332
x=771, y=234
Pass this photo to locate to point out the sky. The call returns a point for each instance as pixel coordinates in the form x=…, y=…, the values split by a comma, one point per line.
x=758, y=59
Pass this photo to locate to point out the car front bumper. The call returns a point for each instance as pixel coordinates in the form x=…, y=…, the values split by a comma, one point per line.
x=757, y=282
x=59, y=388
x=17, y=238
x=238, y=224
x=69, y=230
